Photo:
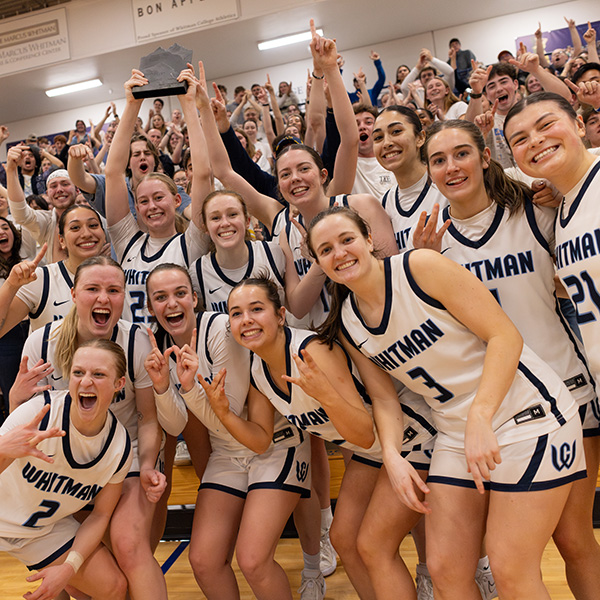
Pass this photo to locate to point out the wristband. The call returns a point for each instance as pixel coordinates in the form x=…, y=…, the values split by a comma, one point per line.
x=264, y=104
x=316, y=76
x=475, y=96
x=74, y=559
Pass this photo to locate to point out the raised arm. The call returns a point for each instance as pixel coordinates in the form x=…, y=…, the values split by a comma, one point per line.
x=265, y=107
x=117, y=195
x=201, y=173
x=324, y=53
x=262, y=207
x=531, y=63
x=34, y=221
x=539, y=47
x=389, y=419
x=380, y=83
x=590, y=39
x=12, y=309
x=575, y=39
x=316, y=113
x=324, y=375
x=255, y=432
x=279, y=124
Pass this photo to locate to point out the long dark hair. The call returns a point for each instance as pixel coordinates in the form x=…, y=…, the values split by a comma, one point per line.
x=6, y=264
x=500, y=188
x=328, y=330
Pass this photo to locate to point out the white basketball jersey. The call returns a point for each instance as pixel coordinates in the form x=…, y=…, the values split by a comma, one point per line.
x=49, y=296
x=578, y=258
x=214, y=283
x=300, y=409
x=405, y=207
x=138, y=262
x=511, y=255
x=135, y=344
x=420, y=343
x=216, y=350
x=34, y=494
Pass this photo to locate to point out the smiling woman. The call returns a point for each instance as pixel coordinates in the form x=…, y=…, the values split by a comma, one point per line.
x=70, y=437
x=44, y=293
x=98, y=295
x=157, y=199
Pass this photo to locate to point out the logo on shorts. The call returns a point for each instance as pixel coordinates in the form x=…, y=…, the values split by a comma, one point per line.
x=564, y=457
x=301, y=471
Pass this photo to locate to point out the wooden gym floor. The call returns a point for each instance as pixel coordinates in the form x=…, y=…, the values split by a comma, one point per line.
x=172, y=556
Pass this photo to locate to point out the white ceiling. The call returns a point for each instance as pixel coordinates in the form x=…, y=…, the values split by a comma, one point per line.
x=231, y=48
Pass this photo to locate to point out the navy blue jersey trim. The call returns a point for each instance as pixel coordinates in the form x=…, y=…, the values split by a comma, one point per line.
x=221, y=274
x=535, y=462
x=530, y=214
x=456, y=481
x=415, y=286
x=201, y=291
x=45, y=293
x=385, y=198
x=46, y=420
x=564, y=221
x=131, y=352
x=50, y=559
x=387, y=310
x=66, y=442
x=285, y=487
x=417, y=203
x=223, y=488
x=287, y=466
x=211, y=320
x=370, y=462
x=484, y=238
x=539, y=485
x=409, y=412
x=45, y=341
x=149, y=259
x=543, y=390
x=271, y=259
x=125, y=453
x=287, y=397
x=131, y=242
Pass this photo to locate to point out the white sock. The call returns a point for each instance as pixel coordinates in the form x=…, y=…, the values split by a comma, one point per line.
x=326, y=518
x=312, y=566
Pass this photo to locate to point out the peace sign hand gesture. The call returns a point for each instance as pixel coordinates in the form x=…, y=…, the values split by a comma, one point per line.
x=187, y=363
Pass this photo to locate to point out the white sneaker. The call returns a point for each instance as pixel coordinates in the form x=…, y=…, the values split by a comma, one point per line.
x=424, y=584
x=484, y=579
x=312, y=588
x=182, y=455
x=328, y=561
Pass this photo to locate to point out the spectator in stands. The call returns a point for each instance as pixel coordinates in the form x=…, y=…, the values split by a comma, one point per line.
x=376, y=89
x=238, y=97
x=460, y=61
x=286, y=96
x=426, y=68
x=42, y=224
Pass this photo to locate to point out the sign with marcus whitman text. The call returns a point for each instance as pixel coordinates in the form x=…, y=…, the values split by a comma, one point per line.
x=33, y=42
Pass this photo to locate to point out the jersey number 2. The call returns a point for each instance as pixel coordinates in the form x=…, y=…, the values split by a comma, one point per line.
x=51, y=506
